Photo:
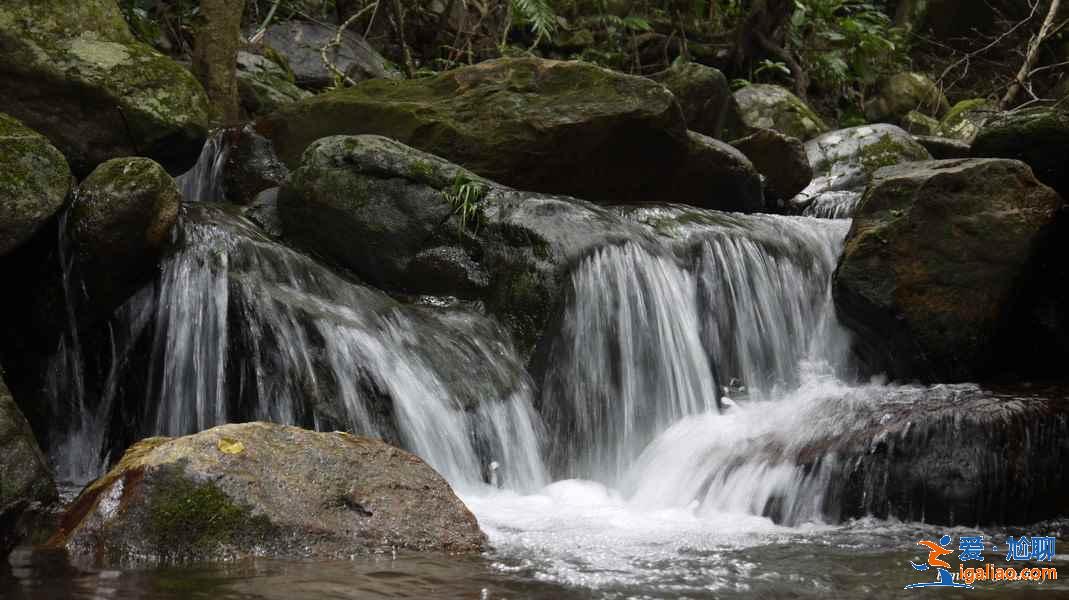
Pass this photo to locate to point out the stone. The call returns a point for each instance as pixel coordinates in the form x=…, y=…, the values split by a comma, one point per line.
x=75, y=73
x=27, y=478
x=301, y=42
x=931, y=268
x=251, y=165
x=34, y=182
x=411, y=222
x=704, y=95
x=264, y=85
x=941, y=148
x=904, y=92
x=780, y=159
x=264, y=490
x=548, y=126
x=844, y=161
x=119, y=223
x=1037, y=136
x=763, y=106
x=964, y=120
x=715, y=175
x=919, y=123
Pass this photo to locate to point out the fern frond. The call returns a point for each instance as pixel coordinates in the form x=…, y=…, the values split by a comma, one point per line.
x=540, y=15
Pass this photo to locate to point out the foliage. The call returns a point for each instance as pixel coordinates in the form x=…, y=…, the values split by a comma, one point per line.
x=539, y=14
x=846, y=45
x=464, y=196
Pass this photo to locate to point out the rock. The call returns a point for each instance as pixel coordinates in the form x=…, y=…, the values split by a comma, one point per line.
x=844, y=161
x=904, y=92
x=1038, y=136
x=264, y=85
x=394, y=216
x=941, y=148
x=716, y=175
x=119, y=222
x=919, y=123
x=75, y=73
x=999, y=456
x=548, y=126
x=931, y=266
x=763, y=106
x=300, y=42
x=704, y=95
x=34, y=181
x=26, y=479
x=266, y=490
x=263, y=211
x=780, y=159
x=251, y=165
x=964, y=120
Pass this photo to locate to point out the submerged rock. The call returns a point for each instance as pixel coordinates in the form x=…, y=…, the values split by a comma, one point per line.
x=902, y=93
x=780, y=159
x=933, y=262
x=26, y=477
x=261, y=489
x=34, y=182
x=763, y=106
x=542, y=125
x=119, y=222
x=301, y=43
x=703, y=94
x=409, y=221
x=1039, y=137
x=74, y=72
x=844, y=161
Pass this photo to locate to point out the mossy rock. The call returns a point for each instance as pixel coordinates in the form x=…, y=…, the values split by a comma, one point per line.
x=844, y=162
x=74, y=72
x=904, y=92
x=261, y=489
x=392, y=215
x=119, y=222
x=27, y=478
x=933, y=262
x=704, y=95
x=34, y=182
x=1038, y=136
x=964, y=120
x=541, y=125
x=764, y=106
x=264, y=85
x=919, y=123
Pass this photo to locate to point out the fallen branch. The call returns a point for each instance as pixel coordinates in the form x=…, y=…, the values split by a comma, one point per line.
x=336, y=42
x=1031, y=56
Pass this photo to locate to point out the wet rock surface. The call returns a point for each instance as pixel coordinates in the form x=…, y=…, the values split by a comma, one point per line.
x=934, y=259
x=260, y=489
x=26, y=477
x=34, y=183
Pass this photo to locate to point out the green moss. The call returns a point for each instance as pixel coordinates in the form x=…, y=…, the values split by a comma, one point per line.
x=883, y=153
x=188, y=519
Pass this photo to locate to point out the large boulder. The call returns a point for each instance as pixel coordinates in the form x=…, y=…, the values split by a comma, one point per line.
x=301, y=43
x=548, y=126
x=763, y=106
x=703, y=94
x=933, y=262
x=264, y=85
x=74, y=72
x=119, y=222
x=715, y=175
x=1038, y=136
x=904, y=92
x=261, y=489
x=34, y=182
x=781, y=160
x=26, y=478
x=408, y=221
x=844, y=161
